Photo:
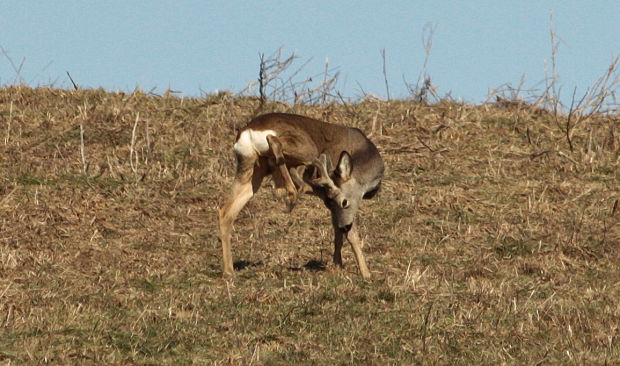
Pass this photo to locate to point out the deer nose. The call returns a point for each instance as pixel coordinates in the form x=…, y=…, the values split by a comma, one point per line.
x=345, y=229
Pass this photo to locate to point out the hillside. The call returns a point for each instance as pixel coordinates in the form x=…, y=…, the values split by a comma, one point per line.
x=491, y=241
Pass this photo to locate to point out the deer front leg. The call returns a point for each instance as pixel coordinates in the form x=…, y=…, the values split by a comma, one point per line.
x=275, y=146
x=356, y=244
x=338, y=240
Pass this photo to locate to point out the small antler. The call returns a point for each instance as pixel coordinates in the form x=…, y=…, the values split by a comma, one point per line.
x=324, y=180
x=321, y=164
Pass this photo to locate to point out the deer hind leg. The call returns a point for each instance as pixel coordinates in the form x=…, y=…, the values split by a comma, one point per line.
x=283, y=175
x=250, y=174
x=356, y=244
x=297, y=174
x=278, y=181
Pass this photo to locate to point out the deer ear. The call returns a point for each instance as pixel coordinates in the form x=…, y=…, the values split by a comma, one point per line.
x=345, y=165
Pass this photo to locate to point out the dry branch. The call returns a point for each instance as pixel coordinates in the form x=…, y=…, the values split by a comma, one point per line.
x=134, y=167
x=276, y=81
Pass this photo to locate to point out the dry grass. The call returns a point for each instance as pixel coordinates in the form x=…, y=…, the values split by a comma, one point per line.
x=491, y=242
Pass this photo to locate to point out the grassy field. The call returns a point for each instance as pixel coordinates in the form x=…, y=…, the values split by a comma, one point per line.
x=491, y=242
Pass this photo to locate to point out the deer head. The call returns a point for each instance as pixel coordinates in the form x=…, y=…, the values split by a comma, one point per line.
x=340, y=191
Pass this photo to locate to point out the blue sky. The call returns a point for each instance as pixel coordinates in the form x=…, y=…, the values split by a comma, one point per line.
x=195, y=46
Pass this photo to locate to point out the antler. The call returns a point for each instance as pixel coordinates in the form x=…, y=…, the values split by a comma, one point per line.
x=324, y=180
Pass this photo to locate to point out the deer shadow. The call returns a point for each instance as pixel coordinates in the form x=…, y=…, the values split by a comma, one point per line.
x=313, y=265
x=243, y=264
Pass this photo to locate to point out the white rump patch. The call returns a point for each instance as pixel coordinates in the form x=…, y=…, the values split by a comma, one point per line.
x=252, y=142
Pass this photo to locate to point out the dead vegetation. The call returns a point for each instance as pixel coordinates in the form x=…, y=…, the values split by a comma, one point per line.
x=495, y=239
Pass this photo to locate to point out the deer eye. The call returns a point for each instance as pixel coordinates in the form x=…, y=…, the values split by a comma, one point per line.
x=345, y=203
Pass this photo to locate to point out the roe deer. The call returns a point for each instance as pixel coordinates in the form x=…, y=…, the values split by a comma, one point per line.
x=298, y=152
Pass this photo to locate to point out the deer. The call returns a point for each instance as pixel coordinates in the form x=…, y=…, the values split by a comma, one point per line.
x=298, y=152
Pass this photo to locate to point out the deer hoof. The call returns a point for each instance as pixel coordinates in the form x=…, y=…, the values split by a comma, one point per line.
x=291, y=201
x=290, y=205
x=228, y=272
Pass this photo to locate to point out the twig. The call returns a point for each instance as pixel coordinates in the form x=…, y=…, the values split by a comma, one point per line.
x=148, y=143
x=426, y=317
x=8, y=195
x=261, y=79
x=570, y=114
x=275, y=82
x=425, y=145
x=427, y=41
x=5, y=290
x=374, y=121
x=73, y=82
x=564, y=155
x=555, y=98
x=309, y=93
x=8, y=125
x=325, y=76
x=16, y=69
x=364, y=94
x=84, y=165
x=84, y=116
x=423, y=85
x=536, y=155
x=40, y=72
x=133, y=142
x=387, y=86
